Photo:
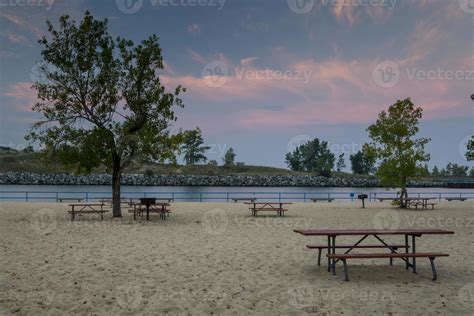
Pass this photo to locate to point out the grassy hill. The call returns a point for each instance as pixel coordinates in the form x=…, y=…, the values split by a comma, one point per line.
x=20, y=161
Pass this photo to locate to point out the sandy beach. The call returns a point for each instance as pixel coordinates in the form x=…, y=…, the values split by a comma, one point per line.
x=214, y=258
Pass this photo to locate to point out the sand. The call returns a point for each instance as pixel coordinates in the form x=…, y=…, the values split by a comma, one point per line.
x=214, y=258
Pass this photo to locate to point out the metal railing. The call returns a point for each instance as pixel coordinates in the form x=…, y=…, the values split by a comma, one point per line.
x=88, y=196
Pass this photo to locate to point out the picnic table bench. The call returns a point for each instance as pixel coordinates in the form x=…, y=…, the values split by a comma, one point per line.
x=315, y=200
x=250, y=199
x=69, y=199
x=277, y=207
x=87, y=208
x=363, y=234
x=449, y=199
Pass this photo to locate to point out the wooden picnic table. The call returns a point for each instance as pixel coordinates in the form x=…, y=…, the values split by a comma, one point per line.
x=315, y=200
x=249, y=199
x=268, y=206
x=68, y=199
x=331, y=235
x=160, y=208
x=87, y=208
x=415, y=201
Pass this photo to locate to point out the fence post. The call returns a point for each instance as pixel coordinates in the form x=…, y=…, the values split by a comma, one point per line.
x=57, y=197
x=200, y=197
x=26, y=196
x=87, y=196
x=172, y=195
x=440, y=197
x=227, y=197
x=304, y=197
x=279, y=197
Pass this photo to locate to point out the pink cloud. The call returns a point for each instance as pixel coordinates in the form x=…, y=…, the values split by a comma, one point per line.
x=23, y=95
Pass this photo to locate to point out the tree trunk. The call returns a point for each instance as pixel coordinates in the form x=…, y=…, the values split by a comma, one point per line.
x=403, y=197
x=116, y=173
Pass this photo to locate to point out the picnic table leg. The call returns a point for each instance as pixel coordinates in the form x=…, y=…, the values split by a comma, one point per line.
x=413, y=241
x=72, y=213
x=329, y=251
x=101, y=212
x=147, y=213
x=407, y=263
x=346, y=272
x=433, y=268
x=333, y=252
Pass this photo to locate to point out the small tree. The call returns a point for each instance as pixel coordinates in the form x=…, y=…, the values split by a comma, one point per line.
x=193, y=147
x=341, y=163
x=362, y=162
x=393, y=143
x=229, y=157
x=435, y=172
x=102, y=101
x=314, y=156
x=470, y=149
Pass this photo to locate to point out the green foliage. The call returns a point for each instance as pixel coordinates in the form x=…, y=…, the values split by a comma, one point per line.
x=193, y=147
x=102, y=100
x=229, y=157
x=470, y=149
x=393, y=143
x=453, y=169
x=341, y=163
x=212, y=163
x=314, y=156
x=363, y=162
x=435, y=172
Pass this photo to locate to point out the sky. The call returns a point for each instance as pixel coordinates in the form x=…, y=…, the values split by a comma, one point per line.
x=264, y=76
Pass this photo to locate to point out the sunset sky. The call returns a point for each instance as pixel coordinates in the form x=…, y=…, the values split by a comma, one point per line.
x=264, y=76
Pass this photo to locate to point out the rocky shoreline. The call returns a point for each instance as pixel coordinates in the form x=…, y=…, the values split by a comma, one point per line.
x=199, y=180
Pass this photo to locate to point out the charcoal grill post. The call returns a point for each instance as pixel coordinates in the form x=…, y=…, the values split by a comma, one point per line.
x=362, y=197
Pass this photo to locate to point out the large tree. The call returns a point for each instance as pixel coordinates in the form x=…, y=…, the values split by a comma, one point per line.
x=193, y=147
x=313, y=156
x=102, y=100
x=393, y=142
